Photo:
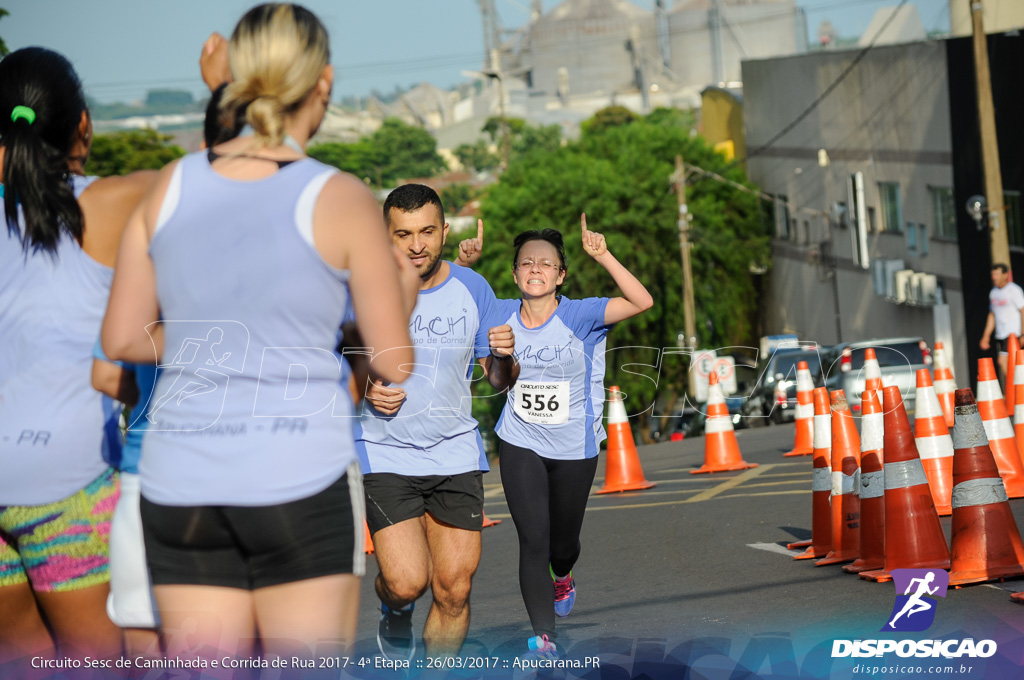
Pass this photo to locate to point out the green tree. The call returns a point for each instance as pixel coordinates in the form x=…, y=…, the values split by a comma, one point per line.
x=3, y=46
x=611, y=116
x=524, y=138
x=493, y=127
x=476, y=156
x=395, y=151
x=119, y=153
x=619, y=175
x=684, y=118
x=454, y=197
x=545, y=138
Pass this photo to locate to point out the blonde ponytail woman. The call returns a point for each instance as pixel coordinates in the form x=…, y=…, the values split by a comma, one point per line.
x=251, y=497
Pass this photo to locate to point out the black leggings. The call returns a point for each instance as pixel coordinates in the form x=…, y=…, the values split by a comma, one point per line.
x=547, y=499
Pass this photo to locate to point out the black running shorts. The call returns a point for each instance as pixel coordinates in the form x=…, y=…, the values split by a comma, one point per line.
x=457, y=500
x=256, y=547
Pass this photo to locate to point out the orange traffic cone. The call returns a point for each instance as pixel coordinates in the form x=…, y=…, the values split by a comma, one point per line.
x=986, y=542
x=488, y=522
x=945, y=385
x=804, y=442
x=368, y=539
x=1012, y=347
x=845, y=497
x=622, y=470
x=721, y=450
x=872, y=372
x=913, y=534
x=821, y=482
x=872, y=487
x=1001, y=438
x=1018, y=409
x=933, y=443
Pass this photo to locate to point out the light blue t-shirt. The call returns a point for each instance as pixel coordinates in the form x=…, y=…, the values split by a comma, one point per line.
x=555, y=408
x=434, y=432
x=54, y=427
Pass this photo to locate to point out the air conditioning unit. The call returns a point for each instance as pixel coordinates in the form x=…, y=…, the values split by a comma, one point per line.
x=889, y=270
x=901, y=286
x=924, y=287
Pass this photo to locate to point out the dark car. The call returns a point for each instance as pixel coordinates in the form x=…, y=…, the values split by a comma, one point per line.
x=773, y=399
x=687, y=422
x=898, y=358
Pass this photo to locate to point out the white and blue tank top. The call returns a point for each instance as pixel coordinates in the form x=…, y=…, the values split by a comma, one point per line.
x=434, y=432
x=556, y=407
x=54, y=427
x=251, y=406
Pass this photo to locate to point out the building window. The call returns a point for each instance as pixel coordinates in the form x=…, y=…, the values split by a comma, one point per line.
x=1014, y=228
x=782, y=216
x=892, y=210
x=944, y=212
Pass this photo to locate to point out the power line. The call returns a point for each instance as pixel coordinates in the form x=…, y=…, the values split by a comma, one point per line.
x=883, y=107
x=828, y=90
x=372, y=68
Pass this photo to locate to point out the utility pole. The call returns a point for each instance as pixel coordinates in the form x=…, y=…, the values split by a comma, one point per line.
x=506, y=135
x=998, y=240
x=683, y=223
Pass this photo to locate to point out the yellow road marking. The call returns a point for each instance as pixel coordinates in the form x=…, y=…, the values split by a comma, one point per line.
x=769, y=493
x=795, y=481
x=598, y=508
x=696, y=479
x=731, y=483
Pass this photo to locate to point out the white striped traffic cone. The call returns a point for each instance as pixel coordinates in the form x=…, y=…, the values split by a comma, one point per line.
x=934, y=445
x=945, y=384
x=1001, y=438
x=721, y=450
x=803, y=444
x=872, y=372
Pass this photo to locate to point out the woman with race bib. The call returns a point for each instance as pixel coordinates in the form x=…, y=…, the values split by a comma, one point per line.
x=551, y=428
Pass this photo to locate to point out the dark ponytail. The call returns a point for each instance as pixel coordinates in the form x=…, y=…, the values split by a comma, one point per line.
x=35, y=169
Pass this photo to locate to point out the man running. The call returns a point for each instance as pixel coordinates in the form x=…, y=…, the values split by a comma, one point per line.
x=420, y=447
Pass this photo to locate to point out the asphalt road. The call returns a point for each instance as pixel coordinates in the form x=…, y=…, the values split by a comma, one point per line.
x=692, y=579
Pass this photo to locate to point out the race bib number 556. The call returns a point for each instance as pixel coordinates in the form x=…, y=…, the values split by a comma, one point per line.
x=543, y=403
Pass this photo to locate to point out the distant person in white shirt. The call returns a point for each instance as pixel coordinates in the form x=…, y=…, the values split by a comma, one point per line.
x=1006, y=312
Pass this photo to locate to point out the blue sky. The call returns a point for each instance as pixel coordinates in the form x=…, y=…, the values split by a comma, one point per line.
x=121, y=48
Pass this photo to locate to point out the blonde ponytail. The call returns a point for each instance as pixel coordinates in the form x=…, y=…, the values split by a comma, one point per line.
x=277, y=55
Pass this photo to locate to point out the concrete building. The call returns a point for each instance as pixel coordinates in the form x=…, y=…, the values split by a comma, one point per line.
x=580, y=47
x=709, y=38
x=892, y=120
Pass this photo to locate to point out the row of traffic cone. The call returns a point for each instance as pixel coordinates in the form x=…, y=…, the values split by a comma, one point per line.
x=899, y=527
x=802, y=445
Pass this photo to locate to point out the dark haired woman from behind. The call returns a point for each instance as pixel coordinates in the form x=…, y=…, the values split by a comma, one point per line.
x=251, y=505
x=57, y=434
x=550, y=430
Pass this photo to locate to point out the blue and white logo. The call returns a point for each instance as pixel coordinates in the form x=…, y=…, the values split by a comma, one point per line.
x=914, y=610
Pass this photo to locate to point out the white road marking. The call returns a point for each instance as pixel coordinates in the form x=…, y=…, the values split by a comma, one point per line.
x=775, y=548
